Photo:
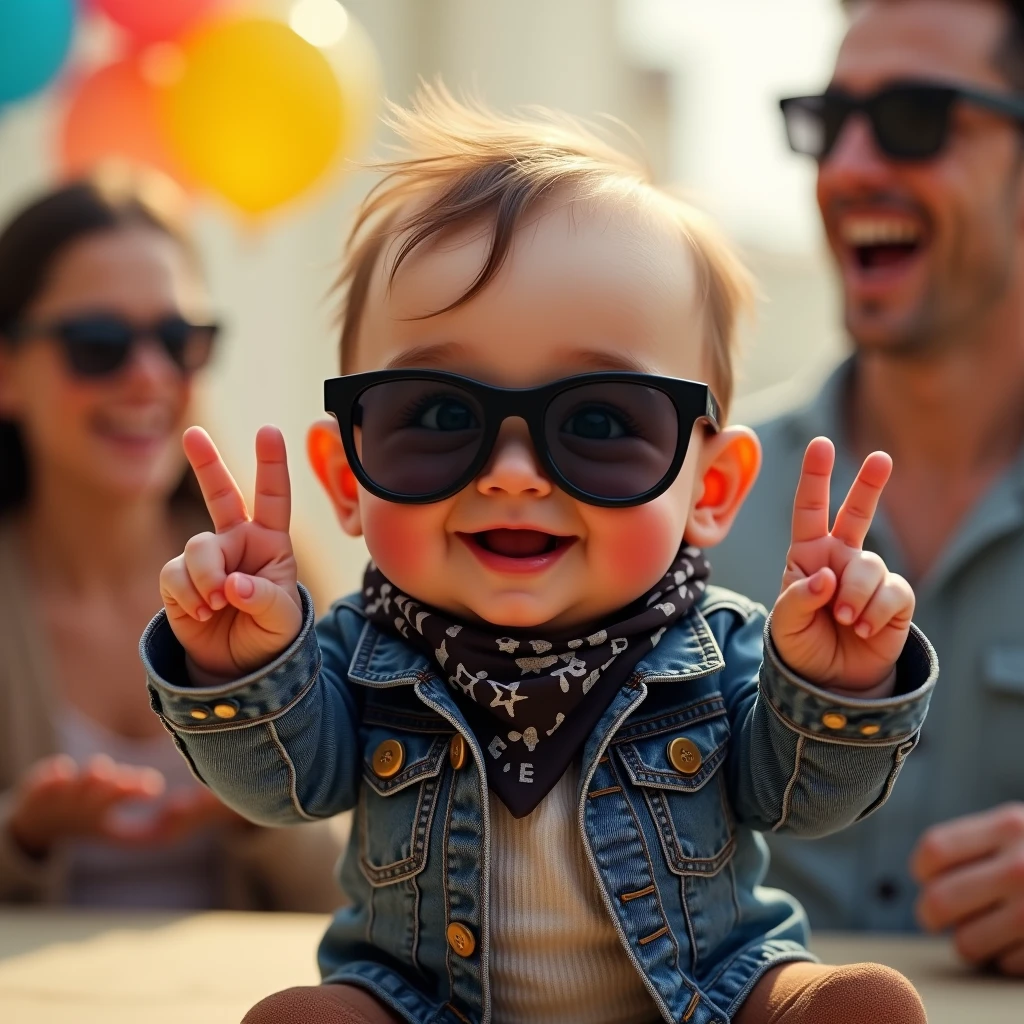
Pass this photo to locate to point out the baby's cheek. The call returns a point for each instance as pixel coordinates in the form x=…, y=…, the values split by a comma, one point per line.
x=402, y=540
x=637, y=546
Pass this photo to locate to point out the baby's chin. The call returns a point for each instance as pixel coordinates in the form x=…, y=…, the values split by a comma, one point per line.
x=521, y=611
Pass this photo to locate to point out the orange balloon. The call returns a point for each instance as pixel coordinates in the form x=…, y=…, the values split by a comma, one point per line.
x=256, y=115
x=113, y=114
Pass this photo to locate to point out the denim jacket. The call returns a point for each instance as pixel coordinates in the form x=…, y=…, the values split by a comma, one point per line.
x=676, y=853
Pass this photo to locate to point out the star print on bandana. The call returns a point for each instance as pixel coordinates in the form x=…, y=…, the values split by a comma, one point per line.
x=553, y=688
x=510, y=701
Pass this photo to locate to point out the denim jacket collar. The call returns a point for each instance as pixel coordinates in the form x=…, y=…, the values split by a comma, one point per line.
x=381, y=660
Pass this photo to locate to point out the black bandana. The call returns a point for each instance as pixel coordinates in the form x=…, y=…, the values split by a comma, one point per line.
x=523, y=697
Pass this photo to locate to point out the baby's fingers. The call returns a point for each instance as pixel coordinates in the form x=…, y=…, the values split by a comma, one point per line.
x=205, y=562
x=891, y=605
x=797, y=605
x=272, y=607
x=177, y=591
x=861, y=577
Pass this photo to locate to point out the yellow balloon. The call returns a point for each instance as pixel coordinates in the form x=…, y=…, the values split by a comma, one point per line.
x=350, y=51
x=256, y=114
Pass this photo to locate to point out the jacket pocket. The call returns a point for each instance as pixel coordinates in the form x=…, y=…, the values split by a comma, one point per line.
x=685, y=793
x=396, y=809
x=1001, y=726
x=689, y=808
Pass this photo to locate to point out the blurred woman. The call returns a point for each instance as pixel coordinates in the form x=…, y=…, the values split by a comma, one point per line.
x=104, y=323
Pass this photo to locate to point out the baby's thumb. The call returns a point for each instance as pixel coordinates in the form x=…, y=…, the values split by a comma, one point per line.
x=269, y=604
x=795, y=609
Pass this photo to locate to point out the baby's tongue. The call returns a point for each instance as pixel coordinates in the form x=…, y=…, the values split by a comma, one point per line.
x=515, y=543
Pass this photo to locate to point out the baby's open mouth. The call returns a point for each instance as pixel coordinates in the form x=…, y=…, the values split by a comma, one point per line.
x=517, y=543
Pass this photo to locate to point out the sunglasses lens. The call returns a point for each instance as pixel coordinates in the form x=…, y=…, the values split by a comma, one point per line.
x=911, y=123
x=612, y=440
x=189, y=345
x=417, y=437
x=812, y=124
x=95, y=346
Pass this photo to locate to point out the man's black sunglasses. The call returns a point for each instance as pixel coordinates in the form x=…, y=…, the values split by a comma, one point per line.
x=98, y=345
x=611, y=439
x=910, y=120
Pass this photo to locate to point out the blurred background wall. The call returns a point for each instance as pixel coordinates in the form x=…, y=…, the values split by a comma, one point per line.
x=698, y=81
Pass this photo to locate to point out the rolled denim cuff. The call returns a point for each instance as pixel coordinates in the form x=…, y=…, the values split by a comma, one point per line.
x=822, y=715
x=257, y=697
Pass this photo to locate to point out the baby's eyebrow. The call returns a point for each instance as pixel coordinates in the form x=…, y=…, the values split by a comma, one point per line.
x=604, y=359
x=572, y=359
x=425, y=354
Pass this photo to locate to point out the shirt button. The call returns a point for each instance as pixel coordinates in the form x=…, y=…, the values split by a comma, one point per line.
x=833, y=720
x=226, y=709
x=684, y=755
x=199, y=714
x=460, y=938
x=887, y=890
x=457, y=751
x=388, y=758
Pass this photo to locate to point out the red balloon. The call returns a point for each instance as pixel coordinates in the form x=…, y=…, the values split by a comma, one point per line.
x=152, y=21
x=113, y=114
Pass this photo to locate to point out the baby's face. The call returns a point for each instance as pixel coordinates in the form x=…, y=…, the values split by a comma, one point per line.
x=586, y=287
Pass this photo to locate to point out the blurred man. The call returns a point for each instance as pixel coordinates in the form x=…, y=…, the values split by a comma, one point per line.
x=920, y=147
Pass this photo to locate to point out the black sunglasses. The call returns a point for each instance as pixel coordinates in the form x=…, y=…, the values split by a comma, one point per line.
x=612, y=439
x=98, y=345
x=910, y=120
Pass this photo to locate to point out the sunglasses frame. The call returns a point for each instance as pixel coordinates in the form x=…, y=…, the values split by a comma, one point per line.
x=1010, y=105
x=693, y=401
x=59, y=330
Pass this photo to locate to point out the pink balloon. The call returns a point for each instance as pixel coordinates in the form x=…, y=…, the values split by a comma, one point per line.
x=152, y=21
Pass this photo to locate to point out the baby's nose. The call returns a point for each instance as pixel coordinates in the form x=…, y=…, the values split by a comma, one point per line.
x=514, y=467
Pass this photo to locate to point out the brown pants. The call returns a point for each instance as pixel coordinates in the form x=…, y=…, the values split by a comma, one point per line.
x=794, y=993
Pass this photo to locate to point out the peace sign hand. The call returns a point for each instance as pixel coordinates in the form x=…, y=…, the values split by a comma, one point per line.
x=842, y=618
x=231, y=597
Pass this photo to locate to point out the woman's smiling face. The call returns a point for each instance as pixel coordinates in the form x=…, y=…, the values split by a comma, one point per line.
x=594, y=286
x=115, y=435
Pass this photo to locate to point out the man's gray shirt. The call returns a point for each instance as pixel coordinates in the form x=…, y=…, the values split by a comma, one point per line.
x=971, y=606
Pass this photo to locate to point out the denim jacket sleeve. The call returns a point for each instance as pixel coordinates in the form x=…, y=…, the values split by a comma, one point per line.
x=807, y=761
x=278, y=745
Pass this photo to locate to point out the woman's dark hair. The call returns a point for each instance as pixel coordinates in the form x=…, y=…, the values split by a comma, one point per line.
x=30, y=245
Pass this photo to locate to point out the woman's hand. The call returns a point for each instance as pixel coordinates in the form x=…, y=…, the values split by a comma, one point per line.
x=56, y=800
x=842, y=618
x=231, y=597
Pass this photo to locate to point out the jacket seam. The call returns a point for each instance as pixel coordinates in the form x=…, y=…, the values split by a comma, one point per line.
x=447, y=882
x=293, y=791
x=790, y=785
x=650, y=866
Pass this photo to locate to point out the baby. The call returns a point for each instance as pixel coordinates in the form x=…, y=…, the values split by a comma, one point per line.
x=559, y=740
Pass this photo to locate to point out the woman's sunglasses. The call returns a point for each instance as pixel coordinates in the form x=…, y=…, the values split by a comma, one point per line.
x=910, y=120
x=99, y=345
x=612, y=439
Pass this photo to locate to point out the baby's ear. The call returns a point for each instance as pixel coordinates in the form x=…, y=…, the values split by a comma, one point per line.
x=730, y=460
x=327, y=457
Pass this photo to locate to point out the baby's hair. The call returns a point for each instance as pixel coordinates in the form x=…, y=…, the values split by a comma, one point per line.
x=459, y=162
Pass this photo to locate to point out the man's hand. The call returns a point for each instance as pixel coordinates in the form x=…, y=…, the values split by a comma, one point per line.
x=971, y=872
x=231, y=597
x=180, y=816
x=842, y=618
x=56, y=800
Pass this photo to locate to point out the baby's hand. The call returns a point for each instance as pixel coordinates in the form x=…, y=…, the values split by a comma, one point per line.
x=842, y=618
x=231, y=597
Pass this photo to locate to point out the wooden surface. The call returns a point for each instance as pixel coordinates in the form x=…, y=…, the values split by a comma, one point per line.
x=90, y=968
